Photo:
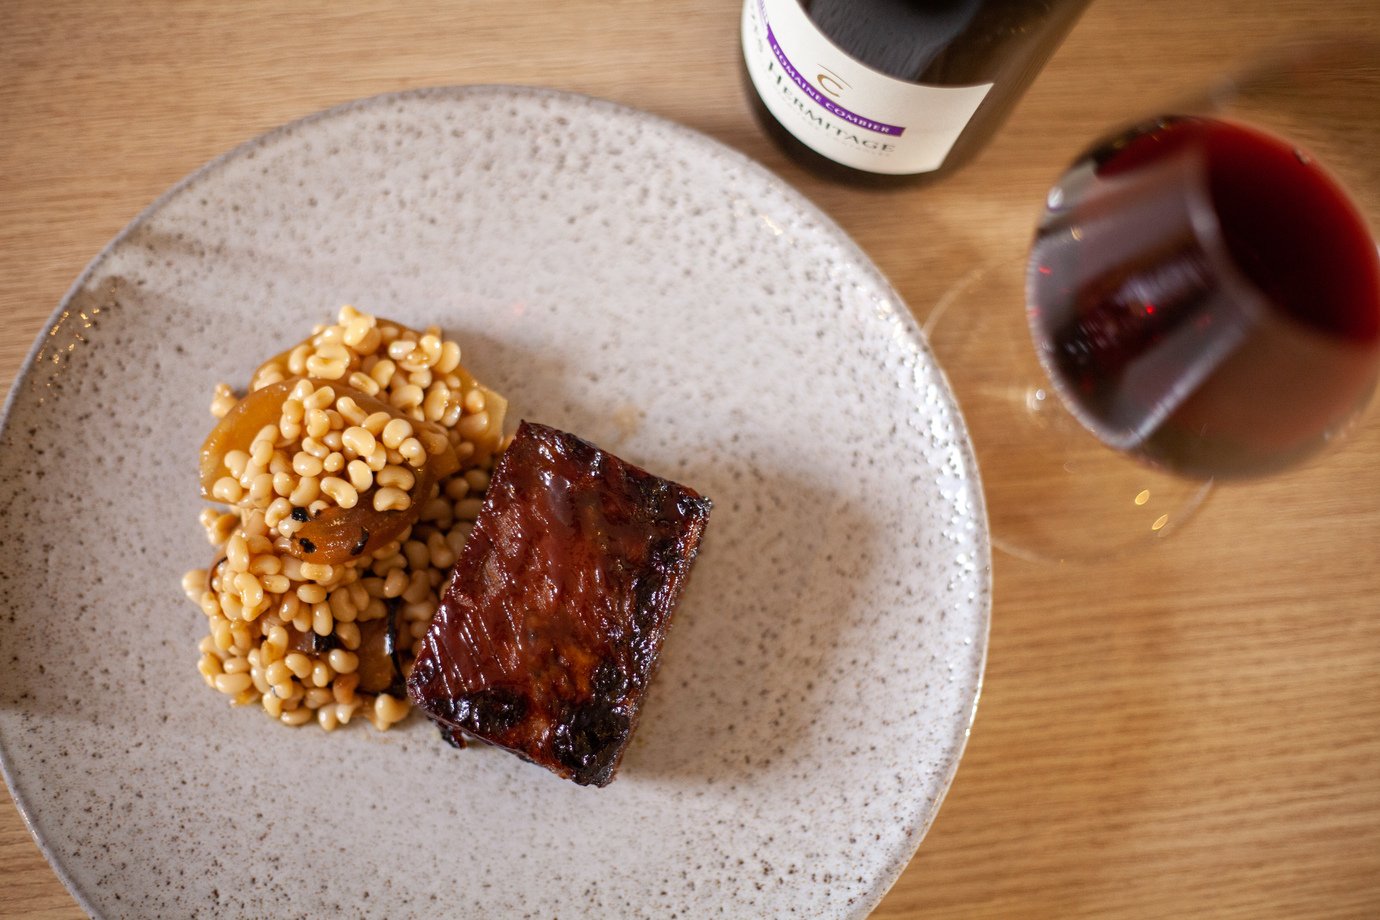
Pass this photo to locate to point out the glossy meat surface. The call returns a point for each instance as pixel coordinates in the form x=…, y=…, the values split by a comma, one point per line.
x=550, y=631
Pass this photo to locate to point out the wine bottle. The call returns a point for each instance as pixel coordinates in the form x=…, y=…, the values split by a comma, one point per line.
x=895, y=87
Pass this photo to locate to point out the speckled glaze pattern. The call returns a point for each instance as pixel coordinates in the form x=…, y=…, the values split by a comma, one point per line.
x=617, y=276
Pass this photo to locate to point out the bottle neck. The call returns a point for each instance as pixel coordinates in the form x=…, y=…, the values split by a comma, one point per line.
x=901, y=38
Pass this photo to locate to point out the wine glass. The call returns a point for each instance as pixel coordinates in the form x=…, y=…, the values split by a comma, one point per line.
x=1203, y=297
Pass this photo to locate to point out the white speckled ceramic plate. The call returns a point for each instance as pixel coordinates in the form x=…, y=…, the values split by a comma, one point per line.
x=618, y=276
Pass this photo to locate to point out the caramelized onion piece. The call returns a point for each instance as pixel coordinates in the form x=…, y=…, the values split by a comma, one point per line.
x=336, y=535
x=496, y=407
x=237, y=429
x=379, y=668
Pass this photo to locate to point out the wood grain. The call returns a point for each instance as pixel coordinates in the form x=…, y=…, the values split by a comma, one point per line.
x=1191, y=732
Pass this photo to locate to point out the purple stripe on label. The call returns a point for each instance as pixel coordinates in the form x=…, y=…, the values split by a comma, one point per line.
x=820, y=99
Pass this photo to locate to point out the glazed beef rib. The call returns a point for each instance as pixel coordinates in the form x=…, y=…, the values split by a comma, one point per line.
x=550, y=630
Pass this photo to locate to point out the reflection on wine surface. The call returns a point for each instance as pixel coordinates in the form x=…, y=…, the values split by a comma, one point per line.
x=1206, y=296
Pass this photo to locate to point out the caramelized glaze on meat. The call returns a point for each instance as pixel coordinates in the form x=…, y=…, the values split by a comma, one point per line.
x=550, y=630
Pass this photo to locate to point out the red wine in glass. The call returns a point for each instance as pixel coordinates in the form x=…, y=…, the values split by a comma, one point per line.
x=1206, y=296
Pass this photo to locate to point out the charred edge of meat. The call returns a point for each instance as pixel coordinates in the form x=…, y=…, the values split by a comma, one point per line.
x=452, y=736
x=424, y=671
x=362, y=542
x=609, y=680
x=694, y=506
x=587, y=741
x=490, y=712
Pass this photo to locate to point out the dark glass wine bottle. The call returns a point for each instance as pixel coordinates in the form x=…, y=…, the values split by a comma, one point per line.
x=895, y=88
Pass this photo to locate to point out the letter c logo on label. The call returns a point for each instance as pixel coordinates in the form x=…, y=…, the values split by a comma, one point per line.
x=827, y=77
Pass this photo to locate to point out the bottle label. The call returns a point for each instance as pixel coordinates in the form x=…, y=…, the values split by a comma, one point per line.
x=843, y=109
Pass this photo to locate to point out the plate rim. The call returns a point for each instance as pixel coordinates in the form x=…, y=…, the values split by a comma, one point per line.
x=898, y=861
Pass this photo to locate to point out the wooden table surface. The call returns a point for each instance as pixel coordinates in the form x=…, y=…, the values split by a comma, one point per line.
x=1189, y=732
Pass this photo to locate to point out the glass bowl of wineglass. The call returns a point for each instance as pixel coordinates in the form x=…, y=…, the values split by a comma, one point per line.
x=1202, y=294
